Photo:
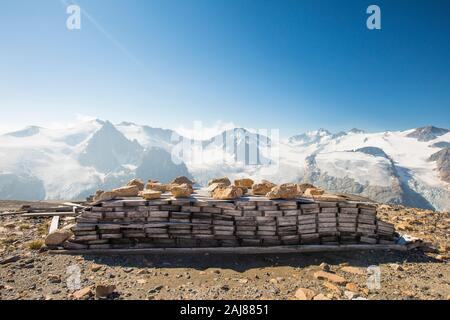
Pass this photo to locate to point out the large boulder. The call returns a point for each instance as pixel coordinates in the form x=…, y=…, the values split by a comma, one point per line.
x=262, y=188
x=245, y=183
x=283, y=191
x=182, y=180
x=138, y=183
x=127, y=191
x=150, y=194
x=224, y=180
x=227, y=193
x=58, y=237
x=181, y=191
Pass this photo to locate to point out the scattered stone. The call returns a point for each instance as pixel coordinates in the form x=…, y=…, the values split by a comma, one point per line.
x=350, y=295
x=227, y=193
x=396, y=267
x=332, y=287
x=10, y=259
x=103, y=291
x=58, y=237
x=284, y=191
x=352, y=287
x=95, y=267
x=353, y=270
x=304, y=294
x=141, y=281
x=262, y=188
x=321, y=296
x=181, y=191
x=150, y=194
x=127, y=191
x=142, y=272
x=83, y=293
x=322, y=275
x=325, y=266
x=155, y=289
x=53, y=278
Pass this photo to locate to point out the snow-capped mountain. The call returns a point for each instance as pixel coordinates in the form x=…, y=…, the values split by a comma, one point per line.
x=409, y=167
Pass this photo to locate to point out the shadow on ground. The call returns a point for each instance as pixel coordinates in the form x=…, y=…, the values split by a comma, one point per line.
x=242, y=263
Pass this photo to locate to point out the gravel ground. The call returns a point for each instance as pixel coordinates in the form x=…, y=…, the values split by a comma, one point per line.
x=33, y=273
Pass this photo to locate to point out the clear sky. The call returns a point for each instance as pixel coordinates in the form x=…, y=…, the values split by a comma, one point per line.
x=295, y=65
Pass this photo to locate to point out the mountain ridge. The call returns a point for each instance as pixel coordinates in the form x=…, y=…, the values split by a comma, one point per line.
x=401, y=167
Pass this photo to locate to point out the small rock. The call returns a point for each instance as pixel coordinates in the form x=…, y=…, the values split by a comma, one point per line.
x=82, y=293
x=182, y=180
x=245, y=183
x=127, y=191
x=352, y=287
x=224, y=180
x=353, y=270
x=141, y=272
x=310, y=192
x=101, y=196
x=396, y=267
x=332, y=287
x=95, y=267
x=227, y=193
x=283, y=191
x=150, y=194
x=58, y=237
x=321, y=275
x=181, y=191
x=325, y=266
x=155, y=289
x=102, y=291
x=350, y=295
x=10, y=259
x=304, y=294
x=321, y=296
x=53, y=278
x=138, y=183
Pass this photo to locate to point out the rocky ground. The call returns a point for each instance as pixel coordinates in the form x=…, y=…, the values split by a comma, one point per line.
x=28, y=271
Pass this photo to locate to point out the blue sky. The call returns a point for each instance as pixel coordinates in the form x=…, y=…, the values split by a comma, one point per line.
x=293, y=65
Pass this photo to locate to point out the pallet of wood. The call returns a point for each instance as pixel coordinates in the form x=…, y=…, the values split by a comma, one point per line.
x=246, y=222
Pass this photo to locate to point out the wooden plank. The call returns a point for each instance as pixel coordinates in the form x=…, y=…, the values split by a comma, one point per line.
x=50, y=214
x=237, y=250
x=54, y=224
x=72, y=204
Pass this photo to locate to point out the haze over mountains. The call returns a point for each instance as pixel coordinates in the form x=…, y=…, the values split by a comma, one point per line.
x=409, y=167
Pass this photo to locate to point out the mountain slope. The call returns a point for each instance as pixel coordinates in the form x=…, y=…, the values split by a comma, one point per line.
x=405, y=167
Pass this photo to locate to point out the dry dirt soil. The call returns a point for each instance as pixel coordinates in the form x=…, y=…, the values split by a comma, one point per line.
x=28, y=271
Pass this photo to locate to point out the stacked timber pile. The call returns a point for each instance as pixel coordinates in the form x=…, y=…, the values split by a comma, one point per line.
x=244, y=221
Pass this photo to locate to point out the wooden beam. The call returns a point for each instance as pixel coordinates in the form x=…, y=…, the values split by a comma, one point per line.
x=54, y=225
x=50, y=214
x=236, y=250
x=72, y=204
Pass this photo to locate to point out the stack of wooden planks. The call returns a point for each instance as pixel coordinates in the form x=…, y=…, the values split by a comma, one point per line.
x=245, y=222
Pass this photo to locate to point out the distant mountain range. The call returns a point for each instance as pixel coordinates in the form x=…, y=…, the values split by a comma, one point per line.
x=409, y=167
